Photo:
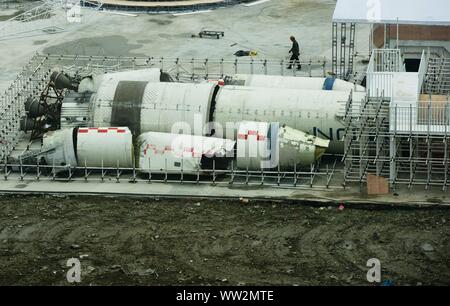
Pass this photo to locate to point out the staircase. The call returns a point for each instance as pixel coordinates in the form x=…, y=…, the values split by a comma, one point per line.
x=437, y=78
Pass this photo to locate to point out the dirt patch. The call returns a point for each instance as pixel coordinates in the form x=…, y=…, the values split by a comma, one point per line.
x=114, y=45
x=161, y=22
x=4, y=17
x=181, y=242
x=39, y=42
x=144, y=41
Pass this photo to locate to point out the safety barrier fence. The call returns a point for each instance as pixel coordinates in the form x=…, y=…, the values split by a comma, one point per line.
x=407, y=145
x=326, y=175
x=433, y=120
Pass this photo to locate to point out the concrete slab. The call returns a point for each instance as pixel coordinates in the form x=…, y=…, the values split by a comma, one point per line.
x=402, y=197
x=265, y=28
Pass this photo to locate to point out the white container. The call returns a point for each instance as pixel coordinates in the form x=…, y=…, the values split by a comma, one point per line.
x=107, y=147
x=58, y=148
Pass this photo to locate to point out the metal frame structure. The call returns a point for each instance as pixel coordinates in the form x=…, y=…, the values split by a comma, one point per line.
x=437, y=78
x=407, y=157
x=35, y=76
x=50, y=101
x=47, y=17
x=343, y=49
x=325, y=174
x=43, y=17
x=29, y=83
x=407, y=143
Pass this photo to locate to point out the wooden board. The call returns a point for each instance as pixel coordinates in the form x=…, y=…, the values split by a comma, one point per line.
x=437, y=113
x=377, y=185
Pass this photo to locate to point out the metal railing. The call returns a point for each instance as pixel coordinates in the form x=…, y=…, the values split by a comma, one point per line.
x=186, y=69
x=325, y=175
x=423, y=68
x=385, y=60
x=425, y=118
x=45, y=16
x=408, y=145
x=380, y=71
x=437, y=79
x=378, y=82
x=29, y=83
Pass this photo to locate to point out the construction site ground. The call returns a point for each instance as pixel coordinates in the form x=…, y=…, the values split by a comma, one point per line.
x=132, y=234
x=153, y=241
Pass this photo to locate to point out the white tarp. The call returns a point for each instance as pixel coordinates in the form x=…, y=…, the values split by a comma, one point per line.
x=423, y=12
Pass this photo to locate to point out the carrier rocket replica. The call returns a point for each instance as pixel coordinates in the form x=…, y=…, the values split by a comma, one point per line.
x=141, y=119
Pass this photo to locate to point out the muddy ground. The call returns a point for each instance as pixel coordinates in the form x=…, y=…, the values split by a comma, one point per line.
x=139, y=241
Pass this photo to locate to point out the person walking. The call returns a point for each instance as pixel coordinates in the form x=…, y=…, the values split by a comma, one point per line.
x=295, y=50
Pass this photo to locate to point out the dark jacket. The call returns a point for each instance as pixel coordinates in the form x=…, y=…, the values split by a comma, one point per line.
x=295, y=48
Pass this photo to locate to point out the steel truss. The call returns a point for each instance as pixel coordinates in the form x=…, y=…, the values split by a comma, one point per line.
x=46, y=17
x=325, y=174
x=407, y=145
x=343, y=49
x=437, y=78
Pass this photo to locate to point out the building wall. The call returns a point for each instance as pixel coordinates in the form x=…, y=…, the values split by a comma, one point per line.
x=411, y=33
x=414, y=48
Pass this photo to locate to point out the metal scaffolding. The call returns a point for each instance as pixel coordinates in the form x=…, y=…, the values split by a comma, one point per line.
x=35, y=76
x=343, y=49
x=323, y=175
x=366, y=139
x=48, y=17
x=45, y=17
x=437, y=78
x=406, y=142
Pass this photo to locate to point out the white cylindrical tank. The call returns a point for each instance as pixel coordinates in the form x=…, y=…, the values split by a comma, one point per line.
x=176, y=153
x=90, y=147
x=254, y=150
x=159, y=107
x=92, y=84
x=292, y=82
x=58, y=148
x=310, y=111
x=107, y=147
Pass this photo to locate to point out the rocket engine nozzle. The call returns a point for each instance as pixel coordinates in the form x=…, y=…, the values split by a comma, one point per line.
x=62, y=81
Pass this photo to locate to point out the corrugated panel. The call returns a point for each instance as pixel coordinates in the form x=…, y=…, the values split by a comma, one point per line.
x=75, y=111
